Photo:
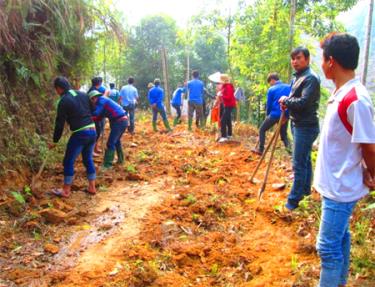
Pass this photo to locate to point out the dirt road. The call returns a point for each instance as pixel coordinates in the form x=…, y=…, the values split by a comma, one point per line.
x=180, y=212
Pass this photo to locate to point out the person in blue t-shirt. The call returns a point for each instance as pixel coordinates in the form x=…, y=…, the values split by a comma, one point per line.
x=195, y=89
x=129, y=97
x=114, y=94
x=275, y=92
x=156, y=98
x=177, y=102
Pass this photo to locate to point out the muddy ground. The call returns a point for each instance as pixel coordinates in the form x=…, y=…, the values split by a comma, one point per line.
x=180, y=212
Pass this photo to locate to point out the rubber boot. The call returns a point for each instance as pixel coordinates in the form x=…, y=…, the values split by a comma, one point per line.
x=109, y=155
x=154, y=126
x=167, y=126
x=175, y=122
x=120, y=155
x=190, y=123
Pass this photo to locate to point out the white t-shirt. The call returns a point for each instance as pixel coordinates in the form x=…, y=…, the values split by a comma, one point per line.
x=349, y=121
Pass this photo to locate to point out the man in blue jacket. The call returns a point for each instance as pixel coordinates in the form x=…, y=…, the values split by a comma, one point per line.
x=156, y=98
x=196, y=90
x=105, y=107
x=177, y=103
x=275, y=92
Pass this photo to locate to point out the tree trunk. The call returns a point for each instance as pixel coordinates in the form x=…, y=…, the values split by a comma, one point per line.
x=293, y=5
x=165, y=76
x=368, y=42
x=187, y=65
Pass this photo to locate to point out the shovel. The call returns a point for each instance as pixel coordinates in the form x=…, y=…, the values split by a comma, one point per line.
x=35, y=178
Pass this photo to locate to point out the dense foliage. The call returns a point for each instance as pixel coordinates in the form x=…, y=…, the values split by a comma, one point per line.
x=40, y=39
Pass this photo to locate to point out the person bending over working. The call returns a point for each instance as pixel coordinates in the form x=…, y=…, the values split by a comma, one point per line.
x=74, y=108
x=104, y=107
x=177, y=102
x=346, y=157
x=273, y=111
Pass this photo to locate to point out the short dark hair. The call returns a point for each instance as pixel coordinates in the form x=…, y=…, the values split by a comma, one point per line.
x=95, y=81
x=272, y=76
x=62, y=82
x=302, y=50
x=130, y=80
x=342, y=47
x=111, y=85
x=195, y=73
x=100, y=79
x=157, y=82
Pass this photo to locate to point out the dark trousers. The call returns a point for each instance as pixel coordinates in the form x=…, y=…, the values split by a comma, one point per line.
x=304, y=138
x=130, y=109
x=268, y=123
x=178, y=111
x=117, y=129
x=226, y=122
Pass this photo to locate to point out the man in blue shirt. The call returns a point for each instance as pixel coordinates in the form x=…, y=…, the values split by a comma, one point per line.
x=195, y=90
x=129, y=97
x=275, y=92
x=156, y=98
x=104, y=107
x=114, y=94
x=177, y=102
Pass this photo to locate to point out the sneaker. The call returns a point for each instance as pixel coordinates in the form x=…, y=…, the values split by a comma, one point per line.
x=230, y=137
x=222, y=140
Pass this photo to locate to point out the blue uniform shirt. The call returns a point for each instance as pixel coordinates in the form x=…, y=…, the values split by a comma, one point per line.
x=196, y=90
x=156, y=96
x=105, y=107
x=177, y=96
x=274, y=93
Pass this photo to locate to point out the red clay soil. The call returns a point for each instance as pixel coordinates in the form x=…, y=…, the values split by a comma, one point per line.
x=180, y=212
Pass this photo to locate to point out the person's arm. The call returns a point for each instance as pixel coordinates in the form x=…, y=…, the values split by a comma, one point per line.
x=309, y=91
x=97, y=113
x=59, y=122
x=368, y=154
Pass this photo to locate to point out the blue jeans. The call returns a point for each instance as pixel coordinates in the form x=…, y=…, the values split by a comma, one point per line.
x=155, y=112
x=333, y=243
x=80, y=142
x=117, y=129
x=304, y=138
x=130, y=109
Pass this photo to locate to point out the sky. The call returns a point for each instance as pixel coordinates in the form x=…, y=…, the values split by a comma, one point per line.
x=180, y=10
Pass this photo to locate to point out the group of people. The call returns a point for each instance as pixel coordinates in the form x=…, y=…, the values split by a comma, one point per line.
x=345, y=167
x=195, y=90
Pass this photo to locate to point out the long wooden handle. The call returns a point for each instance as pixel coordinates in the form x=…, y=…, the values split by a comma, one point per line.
x=268, y=146
x=261, y=191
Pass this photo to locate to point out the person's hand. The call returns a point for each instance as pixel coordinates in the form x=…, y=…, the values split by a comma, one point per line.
x=153, y=106
x=284, y=120
x=51, y=146
x=282, y=101
x=368, y=179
